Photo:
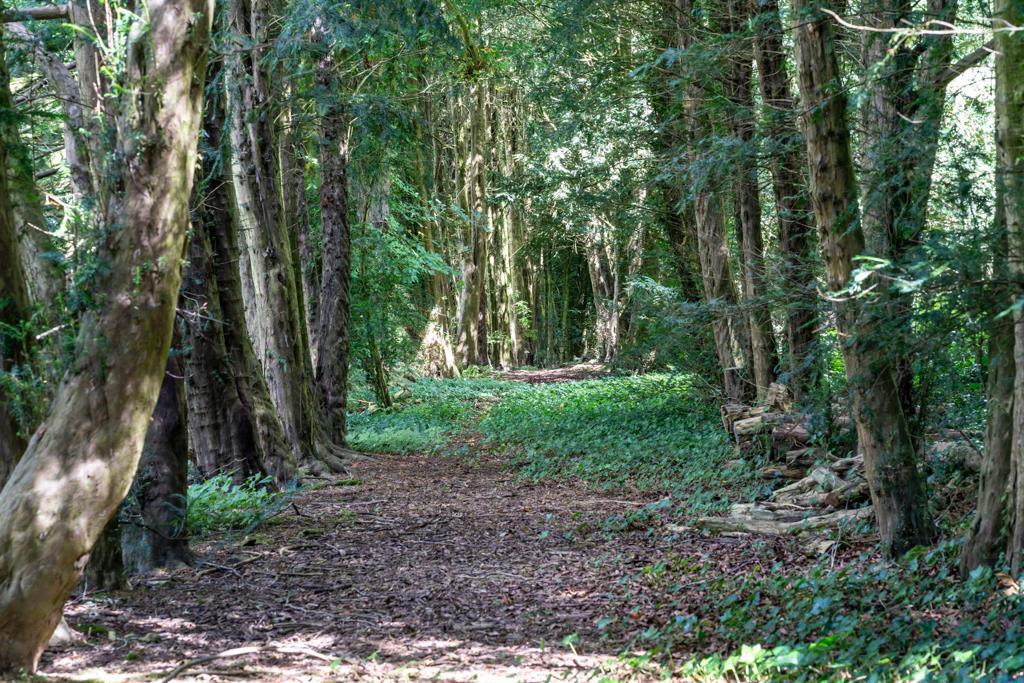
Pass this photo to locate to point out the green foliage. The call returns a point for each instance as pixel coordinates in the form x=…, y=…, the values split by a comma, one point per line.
x=425, y=418
x=876, y=621
x=651, y=431
x=219, y=504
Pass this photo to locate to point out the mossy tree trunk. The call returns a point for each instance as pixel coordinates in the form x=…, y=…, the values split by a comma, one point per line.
x=982, y=543
x=86, y=451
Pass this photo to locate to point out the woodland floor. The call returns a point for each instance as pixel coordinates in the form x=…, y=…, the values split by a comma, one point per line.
x=420, y=567
x=430, y=568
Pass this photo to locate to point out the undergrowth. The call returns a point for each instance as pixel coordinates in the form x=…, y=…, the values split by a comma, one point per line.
x=868, y=620
x=219, y=504
x=651, y=432
x=428, y=412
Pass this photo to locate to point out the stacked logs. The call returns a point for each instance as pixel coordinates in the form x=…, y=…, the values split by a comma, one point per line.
x=747, y=424
x=825, y=492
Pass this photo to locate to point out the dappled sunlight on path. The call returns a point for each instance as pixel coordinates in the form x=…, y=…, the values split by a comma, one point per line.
x=422, y=567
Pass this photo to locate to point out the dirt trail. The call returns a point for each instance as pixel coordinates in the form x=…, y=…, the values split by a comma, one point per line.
x=431, y=567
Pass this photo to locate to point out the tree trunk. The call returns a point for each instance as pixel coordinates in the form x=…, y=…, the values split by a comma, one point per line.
x=712, y=246
x=105, y=571
x=38, y=251
x=271, y=294
x=333, y=333
x=474, y=269
x=155, y=536
x=764, y=355
x=718, y=288
x=86, y=452
x=890, y=459
x=981, y=546
x=14, y=304
x=1009, y=103
x=233, y=426
x=792, y=208
x=901, y=125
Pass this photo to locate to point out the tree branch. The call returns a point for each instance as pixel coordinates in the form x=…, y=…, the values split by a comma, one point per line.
x=35, y=13
x=970, y=61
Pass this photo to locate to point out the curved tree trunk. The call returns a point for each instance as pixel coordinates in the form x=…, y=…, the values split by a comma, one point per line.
x=86, y=452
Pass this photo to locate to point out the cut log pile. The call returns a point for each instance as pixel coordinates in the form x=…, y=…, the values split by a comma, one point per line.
x=818, y=493
x=825, y=492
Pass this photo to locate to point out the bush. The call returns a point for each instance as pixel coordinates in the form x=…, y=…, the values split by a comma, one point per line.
x=219, y=504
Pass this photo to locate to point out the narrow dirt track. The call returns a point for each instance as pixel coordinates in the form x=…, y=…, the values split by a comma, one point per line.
x=430, y=568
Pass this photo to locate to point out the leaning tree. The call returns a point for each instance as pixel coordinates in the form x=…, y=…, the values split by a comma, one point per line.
x=81, y=461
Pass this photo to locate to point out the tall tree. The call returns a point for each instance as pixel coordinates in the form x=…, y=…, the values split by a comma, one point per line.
x=233, y=425
x=86, y=452
x=273, y=308
x=336, y=275
x=792, y=206
x=14, y=297
x=739, y=83
x=890, y=457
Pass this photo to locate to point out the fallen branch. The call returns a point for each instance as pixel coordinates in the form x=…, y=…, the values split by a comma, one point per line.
x=240, y=652
x=762, y=519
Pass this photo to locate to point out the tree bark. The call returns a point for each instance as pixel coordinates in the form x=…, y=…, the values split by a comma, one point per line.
x=86, y=452
x=474, y=269
x=233, y=426
x=269, y=287
x=981, y=546
x=730, y=332
x=38, y=251
x=792, y=206
x=1009, y=104
x=15, y=307
x=890, y=459
x=155, y=536
x=335, y=285
x=764, y=354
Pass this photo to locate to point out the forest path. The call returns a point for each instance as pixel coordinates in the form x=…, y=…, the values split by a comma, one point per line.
x=428, y=567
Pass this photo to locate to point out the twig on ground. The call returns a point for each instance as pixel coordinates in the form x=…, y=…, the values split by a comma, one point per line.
x=240, y=652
